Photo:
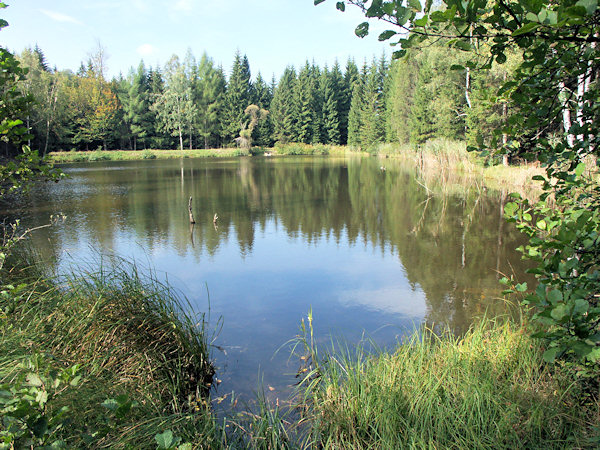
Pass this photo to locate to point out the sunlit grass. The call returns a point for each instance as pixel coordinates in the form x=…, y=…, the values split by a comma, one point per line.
x=488, y=389
x=130, y=155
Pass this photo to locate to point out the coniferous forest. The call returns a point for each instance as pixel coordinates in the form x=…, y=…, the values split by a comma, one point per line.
x=193, y=103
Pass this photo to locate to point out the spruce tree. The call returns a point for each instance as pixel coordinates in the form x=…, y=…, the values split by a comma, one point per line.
x=263, y=96
x=355, y=115
x=283, y=108
x=237, y=98
x=137, y=107
x=351, y=77
x=209, y=100
x=331, y=106
x=305, y=104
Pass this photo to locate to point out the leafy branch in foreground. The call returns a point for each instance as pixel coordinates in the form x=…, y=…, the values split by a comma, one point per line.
x=565, y=243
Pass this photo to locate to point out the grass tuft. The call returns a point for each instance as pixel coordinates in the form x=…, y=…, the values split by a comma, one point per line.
x=488, y=389
x=128, y=336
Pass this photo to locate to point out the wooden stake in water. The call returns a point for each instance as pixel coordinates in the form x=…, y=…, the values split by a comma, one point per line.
x=190, y=210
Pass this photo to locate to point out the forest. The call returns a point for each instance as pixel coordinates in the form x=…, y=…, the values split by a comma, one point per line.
x=191, y=103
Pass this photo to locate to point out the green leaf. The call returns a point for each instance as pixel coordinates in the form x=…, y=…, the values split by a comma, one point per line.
x=550, y=354
x=579, y=169
x=165, y=440
x=457, y=67
x=317, y=2
x=527, y=28
x=362, y=30
x=521, y=287
x=590, y=6
x=386, y=35
x=34, y=379
x=341, y=6
x=463, y=45
x=375, y=10
x=554, y=296
x=415, y=5
x=110, y=403
x=581, y=306
x=559, y=312
x=510, y=209
x=422, y=21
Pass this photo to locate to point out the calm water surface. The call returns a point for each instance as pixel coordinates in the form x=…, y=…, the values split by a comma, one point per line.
x=368, y=250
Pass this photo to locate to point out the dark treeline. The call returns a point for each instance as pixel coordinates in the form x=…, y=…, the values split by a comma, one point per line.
x=192, y=103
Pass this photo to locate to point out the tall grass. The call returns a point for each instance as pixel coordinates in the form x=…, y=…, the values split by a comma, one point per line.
x=130, y=336
x=488, y=389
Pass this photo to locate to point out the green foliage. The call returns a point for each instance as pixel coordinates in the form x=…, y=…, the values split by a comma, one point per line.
x=28, y=420
x=147, y=154
x=237, y=98
x=492, y=379
x=366, y=124
x=283, y=108
x=565, y=244
x=174, y=105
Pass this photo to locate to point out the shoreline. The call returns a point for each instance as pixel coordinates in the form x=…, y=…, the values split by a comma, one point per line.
x=438, y=158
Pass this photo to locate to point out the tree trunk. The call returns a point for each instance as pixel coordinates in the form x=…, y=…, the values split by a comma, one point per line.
x=566, y=113
x=47, y=137
x=190, y=211
x=504, y=135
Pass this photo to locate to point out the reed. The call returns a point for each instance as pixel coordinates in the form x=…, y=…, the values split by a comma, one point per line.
x=487, y=389
x=128, y=337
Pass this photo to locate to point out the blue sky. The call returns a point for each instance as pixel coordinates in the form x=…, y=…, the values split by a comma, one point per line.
x=272, y=33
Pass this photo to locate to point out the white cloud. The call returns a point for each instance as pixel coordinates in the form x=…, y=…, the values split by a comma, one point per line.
x=146, y=50
x=60, y=17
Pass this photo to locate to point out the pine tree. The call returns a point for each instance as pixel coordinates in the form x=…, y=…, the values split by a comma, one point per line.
x=332, y=105
x=355, y=115
x=137, y=107
x=283, y=108
x=237, y=98
x=305, y=104
x=158, y=138
x=399, y=99
x=263, y=96
x=211, y=89
x=351, y=77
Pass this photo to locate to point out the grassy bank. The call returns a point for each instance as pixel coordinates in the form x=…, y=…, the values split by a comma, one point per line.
x=488, y=389
x=102, y=358
x=131, y=155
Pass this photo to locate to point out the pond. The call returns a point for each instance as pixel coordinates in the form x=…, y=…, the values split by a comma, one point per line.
x=373, y=251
